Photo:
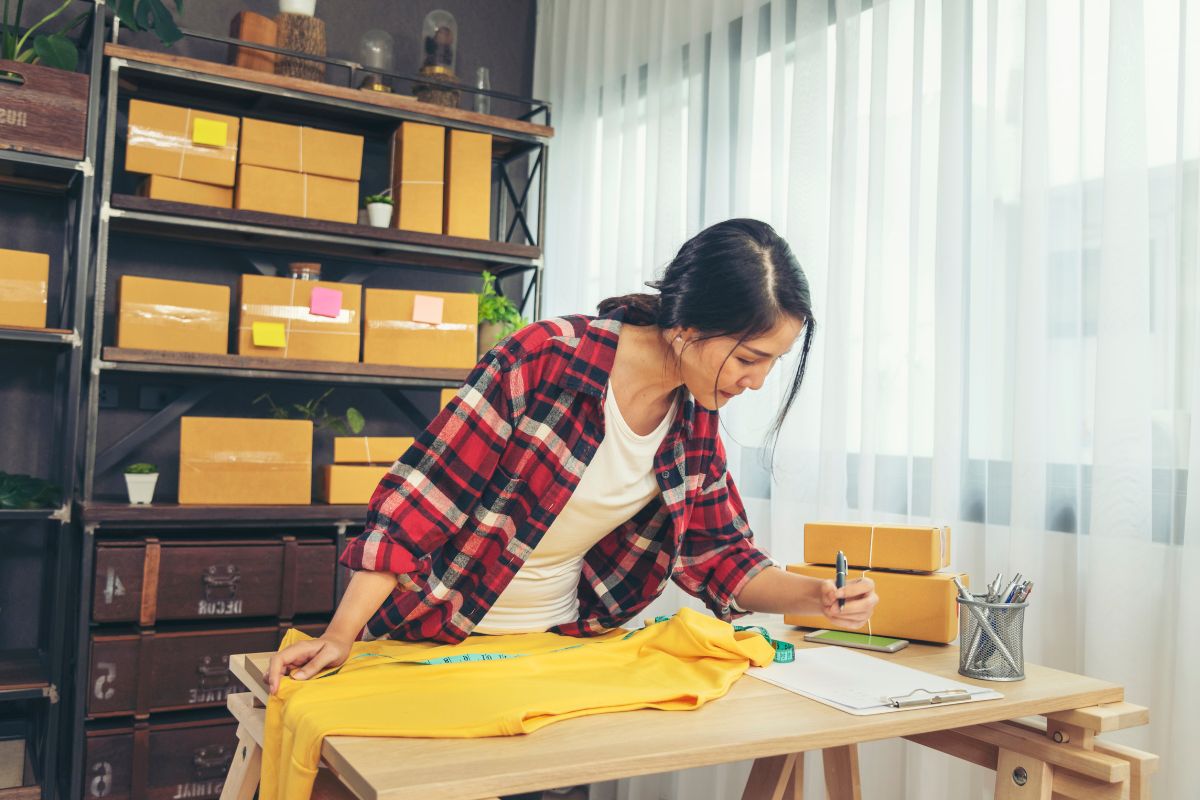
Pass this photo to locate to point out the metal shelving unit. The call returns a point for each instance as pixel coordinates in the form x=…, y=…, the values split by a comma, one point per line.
x=38, y=676
x=515, y=250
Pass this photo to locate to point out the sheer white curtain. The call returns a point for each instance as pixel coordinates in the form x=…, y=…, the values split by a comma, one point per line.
x=998, y=206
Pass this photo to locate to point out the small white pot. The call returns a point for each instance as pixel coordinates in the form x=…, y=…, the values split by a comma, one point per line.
x=141, y=488
x=305, y=7
x=380, y=214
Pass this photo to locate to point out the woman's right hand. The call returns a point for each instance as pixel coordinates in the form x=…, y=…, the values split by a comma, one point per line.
x=304, y=659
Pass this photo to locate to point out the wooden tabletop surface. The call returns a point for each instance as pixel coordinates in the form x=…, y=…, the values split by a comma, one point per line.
x=754, y=719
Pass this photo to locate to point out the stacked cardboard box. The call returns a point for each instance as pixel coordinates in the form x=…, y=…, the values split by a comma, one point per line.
x=225, y=461
x=298, y=171
x=916, y=600
x=191, y=155
x=176, y=316
x=420, y=329
x=360, y=462
x=442, y=180
x=24, y=285
x=291, y=318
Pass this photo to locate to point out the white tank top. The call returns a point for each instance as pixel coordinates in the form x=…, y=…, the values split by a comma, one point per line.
x=617, y=484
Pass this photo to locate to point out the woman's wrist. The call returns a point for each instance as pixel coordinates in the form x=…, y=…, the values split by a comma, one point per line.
x=776, y=591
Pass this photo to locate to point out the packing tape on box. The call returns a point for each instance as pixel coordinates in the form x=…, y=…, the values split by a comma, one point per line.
x=292, y=312
x=175, y=315
x=149, y=137
x=409, y=325
x=267, y=459
x=23, y=291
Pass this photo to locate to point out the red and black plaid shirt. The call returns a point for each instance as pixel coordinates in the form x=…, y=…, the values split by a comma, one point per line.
x=465, y=506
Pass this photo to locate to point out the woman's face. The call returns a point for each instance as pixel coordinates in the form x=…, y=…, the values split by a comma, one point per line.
x=730, y=366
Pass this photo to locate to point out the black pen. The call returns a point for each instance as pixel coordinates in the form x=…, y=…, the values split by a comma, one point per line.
x=840, y=581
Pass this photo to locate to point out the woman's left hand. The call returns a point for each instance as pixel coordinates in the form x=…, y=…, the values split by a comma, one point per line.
x=860, y=602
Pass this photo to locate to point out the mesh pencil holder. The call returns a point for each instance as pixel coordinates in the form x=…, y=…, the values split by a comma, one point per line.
x=991, y=639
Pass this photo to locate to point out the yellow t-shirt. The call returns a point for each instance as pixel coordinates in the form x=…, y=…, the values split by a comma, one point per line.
x=381, y=690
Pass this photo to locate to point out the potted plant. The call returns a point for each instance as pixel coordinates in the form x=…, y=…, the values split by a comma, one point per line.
x=498, y=317
x=304, y=7
x=39, y=88
x=314, y=410
x=140, y=480
x=25, y=491
x=379, y=210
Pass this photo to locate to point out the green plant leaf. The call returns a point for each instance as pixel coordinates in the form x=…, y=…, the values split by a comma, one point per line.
x=164, y=24
x=126, y=15
x=354, y=419
x=56, y=51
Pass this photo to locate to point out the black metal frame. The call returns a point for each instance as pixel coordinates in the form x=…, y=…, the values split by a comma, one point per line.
x=75, y=181
x=95, y=519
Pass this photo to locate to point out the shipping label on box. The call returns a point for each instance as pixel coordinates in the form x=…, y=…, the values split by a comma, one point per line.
x=24, y=288
x=287, y=302
x=176, y=316
x=917, y=548
x=227, y=461
x=921, y=607
x=182, y=143
x=392, y=336
x=419, y=176
x=468, y=210
x=369, y=449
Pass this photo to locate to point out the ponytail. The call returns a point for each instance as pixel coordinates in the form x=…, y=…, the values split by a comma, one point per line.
x=640, y=309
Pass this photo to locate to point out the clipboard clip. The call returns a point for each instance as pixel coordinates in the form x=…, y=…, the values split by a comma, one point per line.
x=928, y=698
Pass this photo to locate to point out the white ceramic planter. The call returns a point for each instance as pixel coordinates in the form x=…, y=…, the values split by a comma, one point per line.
x=379, y=214
x=141, y=488
x=305, y=7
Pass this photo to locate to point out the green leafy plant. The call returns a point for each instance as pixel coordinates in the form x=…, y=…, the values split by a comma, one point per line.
x=58, y=50
x=141, y=468
x=352, y=422
x=26, y=491
x=495, y=307
x=376, y=198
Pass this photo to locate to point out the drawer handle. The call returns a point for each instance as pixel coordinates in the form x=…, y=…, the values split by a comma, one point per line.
x=211, y=762
x=213, y=675
x=221, y=579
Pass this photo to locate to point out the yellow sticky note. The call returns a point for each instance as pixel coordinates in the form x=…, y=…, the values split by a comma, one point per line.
x=269, y=334
x=211, y=132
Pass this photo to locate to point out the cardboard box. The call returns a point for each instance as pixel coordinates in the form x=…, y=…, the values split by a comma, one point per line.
x=918, y=548
x=293, y=148
x=447, y=396
x=468, y=184
x=181, y=143
x=225, y=461
x=24, y=287
x=921, y=607
x=177, y=316
x=418, y=176
x=277, y=191
x=392, y=336
x=160, y=187
x=369, y=449
x=350, y=485
x=287, y=303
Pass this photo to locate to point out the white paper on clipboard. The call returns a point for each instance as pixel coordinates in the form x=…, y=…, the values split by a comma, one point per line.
x=860, y=684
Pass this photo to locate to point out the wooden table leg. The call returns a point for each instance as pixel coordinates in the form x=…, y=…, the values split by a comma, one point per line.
x=772, y=777
x=1021, y=777
x=242, y=781
x=841, y=773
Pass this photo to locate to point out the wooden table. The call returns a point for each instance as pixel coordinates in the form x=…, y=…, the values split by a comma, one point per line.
x=1053, y=756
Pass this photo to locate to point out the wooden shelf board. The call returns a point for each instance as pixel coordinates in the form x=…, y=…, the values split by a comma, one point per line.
x=159, y=514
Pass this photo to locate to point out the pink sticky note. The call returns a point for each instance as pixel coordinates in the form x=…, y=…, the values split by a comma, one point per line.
x=325, y=302
x=428, y=309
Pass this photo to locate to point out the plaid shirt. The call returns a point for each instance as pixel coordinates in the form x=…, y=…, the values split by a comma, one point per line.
x=464, y=507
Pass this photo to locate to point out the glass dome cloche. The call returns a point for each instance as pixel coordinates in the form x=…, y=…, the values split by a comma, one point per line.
x=439, y=59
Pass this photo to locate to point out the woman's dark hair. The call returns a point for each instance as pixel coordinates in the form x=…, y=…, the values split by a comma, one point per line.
x=736, y=278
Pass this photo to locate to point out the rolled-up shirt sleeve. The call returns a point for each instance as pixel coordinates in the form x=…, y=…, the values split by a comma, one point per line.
x=717, y=554
x=430, y=492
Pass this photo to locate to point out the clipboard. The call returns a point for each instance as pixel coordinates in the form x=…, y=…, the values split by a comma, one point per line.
x=862, y=685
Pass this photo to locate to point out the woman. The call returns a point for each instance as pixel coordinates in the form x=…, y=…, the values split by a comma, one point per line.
x=580, y=467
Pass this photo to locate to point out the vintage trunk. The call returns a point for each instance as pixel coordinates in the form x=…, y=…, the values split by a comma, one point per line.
x=161, y=761
x=148, y=580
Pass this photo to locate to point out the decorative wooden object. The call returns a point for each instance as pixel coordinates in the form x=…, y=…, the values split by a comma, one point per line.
x=42, y=110
x=304, y=35
x=251, y=27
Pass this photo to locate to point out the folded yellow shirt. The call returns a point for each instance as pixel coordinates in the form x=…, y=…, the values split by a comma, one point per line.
x=384, y=690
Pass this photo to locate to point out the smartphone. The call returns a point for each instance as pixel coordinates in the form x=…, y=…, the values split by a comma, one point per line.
x=883, y=644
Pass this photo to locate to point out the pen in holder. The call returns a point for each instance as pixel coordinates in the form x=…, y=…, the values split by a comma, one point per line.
x=990, y=639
